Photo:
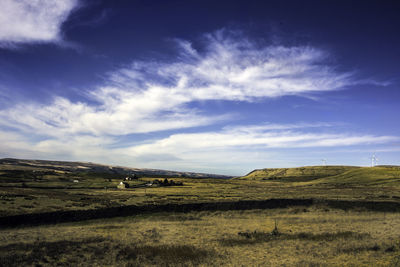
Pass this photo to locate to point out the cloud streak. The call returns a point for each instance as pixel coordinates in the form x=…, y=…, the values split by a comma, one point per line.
x=155, y=96
x=149, y=96
x=258, y=137
x=32, y=21
x=232, y=150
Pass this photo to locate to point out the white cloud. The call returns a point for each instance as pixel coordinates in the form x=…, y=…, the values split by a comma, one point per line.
x=236, y=70
x=235, y=150
x=87, y=148
x=156, y=96
x=254, y=137
x=232, y=150
x=27, y=21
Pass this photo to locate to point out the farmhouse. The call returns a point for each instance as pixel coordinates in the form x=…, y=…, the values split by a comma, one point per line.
x=123, y=185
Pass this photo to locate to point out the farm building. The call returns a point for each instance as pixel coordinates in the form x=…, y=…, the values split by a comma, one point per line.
x=123, y=185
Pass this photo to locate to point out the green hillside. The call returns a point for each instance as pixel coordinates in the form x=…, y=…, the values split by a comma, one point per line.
x=300, y=174
x=379, y=175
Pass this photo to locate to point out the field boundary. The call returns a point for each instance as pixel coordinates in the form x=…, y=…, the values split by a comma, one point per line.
x=131, y=210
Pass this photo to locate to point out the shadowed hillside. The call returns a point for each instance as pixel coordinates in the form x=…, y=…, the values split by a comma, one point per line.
x=88, y=167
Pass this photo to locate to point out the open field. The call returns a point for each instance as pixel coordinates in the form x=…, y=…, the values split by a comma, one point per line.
x=307, y=236
x=20, y=200
x=327, y=215
x=99, y=192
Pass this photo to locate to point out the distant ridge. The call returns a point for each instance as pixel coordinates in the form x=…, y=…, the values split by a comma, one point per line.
x=308, y=172
x=379, y=175
x=75, y=166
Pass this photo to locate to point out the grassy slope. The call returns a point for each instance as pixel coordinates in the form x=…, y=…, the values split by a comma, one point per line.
x=380, y=175
x=297, y=174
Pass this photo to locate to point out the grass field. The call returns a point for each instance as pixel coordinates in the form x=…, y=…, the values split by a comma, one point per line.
x=306, y=237
x=20, y=200
x=314, y=235
x=297, y=174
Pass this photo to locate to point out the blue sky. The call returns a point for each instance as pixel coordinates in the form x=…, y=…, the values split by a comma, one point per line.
x=207, y=86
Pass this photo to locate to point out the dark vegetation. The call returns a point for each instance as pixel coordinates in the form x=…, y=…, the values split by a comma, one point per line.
x=165, y=182
x=245, y=238
x=80, y=215
x=42, y=252
x=388, y=248
x=167, y=255
x=99, y=250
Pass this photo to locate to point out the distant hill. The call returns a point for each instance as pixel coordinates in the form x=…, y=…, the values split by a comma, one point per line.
x=379, y=175
x=297, y=174
x=88, y=167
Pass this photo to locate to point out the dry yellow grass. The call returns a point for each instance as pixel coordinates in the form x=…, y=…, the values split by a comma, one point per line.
x=31, y=200
x=310, y=237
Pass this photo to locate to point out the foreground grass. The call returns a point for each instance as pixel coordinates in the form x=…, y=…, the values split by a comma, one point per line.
x=314, y=236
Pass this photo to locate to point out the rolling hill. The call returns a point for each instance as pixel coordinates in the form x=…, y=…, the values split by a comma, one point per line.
x=297, y=174
x=379, y=175
x=88, y=167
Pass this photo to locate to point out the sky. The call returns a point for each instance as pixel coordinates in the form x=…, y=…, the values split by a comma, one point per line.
x=206, y=86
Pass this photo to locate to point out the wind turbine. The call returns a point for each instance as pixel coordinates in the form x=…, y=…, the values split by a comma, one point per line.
x=374, y=160
x=323, y=162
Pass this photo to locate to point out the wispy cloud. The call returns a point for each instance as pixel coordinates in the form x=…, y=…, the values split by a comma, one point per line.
x=38, y=21
x=155, y=96
x=232, y=150
x=235, y=150
x=256, y=136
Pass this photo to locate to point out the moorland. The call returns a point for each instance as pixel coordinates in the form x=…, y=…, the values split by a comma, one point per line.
x=72, y=213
